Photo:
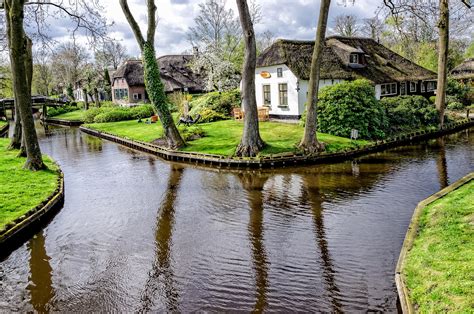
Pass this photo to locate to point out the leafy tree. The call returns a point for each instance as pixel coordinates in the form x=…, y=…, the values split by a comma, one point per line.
x=153, y=82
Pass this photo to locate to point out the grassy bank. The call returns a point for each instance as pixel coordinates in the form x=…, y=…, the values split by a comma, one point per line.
x=20, y=189
x=76, y=115
x=222, y=137
x=439, y=269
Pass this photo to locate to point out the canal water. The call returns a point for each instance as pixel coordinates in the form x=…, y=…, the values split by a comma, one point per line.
x=140, y=234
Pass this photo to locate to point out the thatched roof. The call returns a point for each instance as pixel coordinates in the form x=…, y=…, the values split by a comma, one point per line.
x=175, y=73
x=465, y=70
x=382, y=64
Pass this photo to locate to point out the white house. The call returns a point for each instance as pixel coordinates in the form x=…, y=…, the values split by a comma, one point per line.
x=283, y=69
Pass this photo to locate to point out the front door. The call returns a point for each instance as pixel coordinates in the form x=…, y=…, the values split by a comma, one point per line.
x=403, y=88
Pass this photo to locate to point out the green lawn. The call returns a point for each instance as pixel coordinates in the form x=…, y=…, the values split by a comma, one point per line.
x=439, y=269
x=75, y=115
x=222, y=137
x=20, y=189
x=3, y=123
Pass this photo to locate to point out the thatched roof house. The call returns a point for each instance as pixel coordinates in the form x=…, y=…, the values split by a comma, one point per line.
x=377, y=63
x=128, y=84
x=285, y=67
x=464, y=71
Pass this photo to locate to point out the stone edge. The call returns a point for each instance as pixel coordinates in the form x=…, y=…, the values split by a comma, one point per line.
x=22, y=223
x=64, y=122
x=277, y=160
x=405, y=302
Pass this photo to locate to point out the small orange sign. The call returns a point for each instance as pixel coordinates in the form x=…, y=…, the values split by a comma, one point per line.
x=265, y=74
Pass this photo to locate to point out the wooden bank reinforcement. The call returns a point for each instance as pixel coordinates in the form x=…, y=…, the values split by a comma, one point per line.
x=277, y=160
x=405, y=302
x=14, y=233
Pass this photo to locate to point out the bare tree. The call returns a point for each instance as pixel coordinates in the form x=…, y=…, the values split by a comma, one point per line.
x=346, y=25
x=153, y=82
x=111, y=54
x=373, y=27
x=265, y=40
x=310, y=142
x=251, y=142
x=69, y=60
x=42, y=71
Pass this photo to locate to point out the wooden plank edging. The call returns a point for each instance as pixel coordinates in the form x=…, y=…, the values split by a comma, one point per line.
x=277, y=160
x=403, y=294
x=11, y=232
x=64, y=122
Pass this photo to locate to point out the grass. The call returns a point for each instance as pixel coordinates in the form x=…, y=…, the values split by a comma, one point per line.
x=439, y=268
x=71, y=116
x=20, y=189
x=3, y=123
x=222, y=137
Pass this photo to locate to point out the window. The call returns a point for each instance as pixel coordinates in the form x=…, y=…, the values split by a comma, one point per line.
x=431, y=86
x=121, y=93
x=137, y=96
x=354, y=58
x=267, y=95
x=413, y=87
x=423, y=87
x=403, y=88
x=283, y=94
x=389, y=89
x=279, y=72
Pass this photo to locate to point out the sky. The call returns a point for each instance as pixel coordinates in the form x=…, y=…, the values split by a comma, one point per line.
x=291, y=19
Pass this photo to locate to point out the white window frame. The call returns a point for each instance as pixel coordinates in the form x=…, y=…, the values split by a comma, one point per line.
x=280, y=95
x=423, y=87
x=352, y=55
x=430, y=86
x=389, y=86
x=413, y=86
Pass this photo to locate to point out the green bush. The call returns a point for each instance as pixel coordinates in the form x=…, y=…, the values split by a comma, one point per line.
x=433, y=99
x=220, y=102
x=457, y=90
x=114, y=115
x=407, y=113
x=56, y=111
x=143, y=111
x=456, y=106
x=191, y=133
x=209, y=115
x=90, y=114
x=351, y=105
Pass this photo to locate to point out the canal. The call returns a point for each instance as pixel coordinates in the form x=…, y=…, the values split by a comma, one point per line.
x=140, y=234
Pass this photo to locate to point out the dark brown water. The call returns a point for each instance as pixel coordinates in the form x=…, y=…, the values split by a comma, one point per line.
x=140, y=234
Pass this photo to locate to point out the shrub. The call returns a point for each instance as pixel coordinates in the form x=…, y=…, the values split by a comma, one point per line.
x=114, y=115
x=406, y=113
x=191, y=133
x=209, y=115
x=457, y=90
x=56, y=111
x=143, y=111
x=90, y=114
x=220, y=102
x=433, y=99
x=351, y=105
x=456, y=106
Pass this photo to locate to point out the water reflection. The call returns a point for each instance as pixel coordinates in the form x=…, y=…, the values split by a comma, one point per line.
x=161, y=279
x=253, y=184
x=312, y=194
x=441, y=164
x=40, y=281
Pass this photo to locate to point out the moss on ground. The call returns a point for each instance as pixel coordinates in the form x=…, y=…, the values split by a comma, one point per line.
x=439, y=269
x=21, y=190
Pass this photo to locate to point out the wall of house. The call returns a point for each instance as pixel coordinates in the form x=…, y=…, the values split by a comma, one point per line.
x=289, y=78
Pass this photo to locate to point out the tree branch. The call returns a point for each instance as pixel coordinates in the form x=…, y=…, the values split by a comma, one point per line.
x=133, y=23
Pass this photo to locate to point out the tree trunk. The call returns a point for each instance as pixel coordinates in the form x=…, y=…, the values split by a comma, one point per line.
x=86, y=102
x=96, y=96
x=15, y=141
x=20, y=52
x=443, y=27
x=310, y=142
x=157, y=96
x=251, y=142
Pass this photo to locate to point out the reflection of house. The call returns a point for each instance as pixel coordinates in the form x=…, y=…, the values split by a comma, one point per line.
x=128, y=85
x=464, y=72
x=283, y=72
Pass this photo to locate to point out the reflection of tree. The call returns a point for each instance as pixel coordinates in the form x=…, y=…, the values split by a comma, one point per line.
x=161, y=275
x=40, y=285
x=253, y=184
x=315, y=199
x=441, y=164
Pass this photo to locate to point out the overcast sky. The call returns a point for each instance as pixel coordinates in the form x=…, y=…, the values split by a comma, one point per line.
x=292, y=19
